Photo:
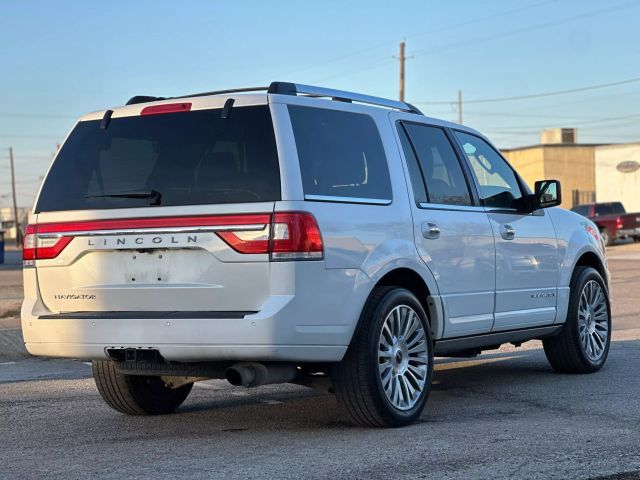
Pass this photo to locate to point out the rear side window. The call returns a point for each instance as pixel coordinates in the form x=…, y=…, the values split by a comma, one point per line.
x=184, y=158
x=340, y=154
x=439, y=165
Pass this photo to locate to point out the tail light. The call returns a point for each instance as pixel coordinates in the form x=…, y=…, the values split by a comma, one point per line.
x=290, y=236
x=283, y=235
x=41, y=247
x=619, y=223
x=295, y=236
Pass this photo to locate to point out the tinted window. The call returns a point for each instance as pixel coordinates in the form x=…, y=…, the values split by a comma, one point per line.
x=188, y=158
x=581, y=210
x=439, y=165
x=340, y=153
x=417, y=182
x=498, y=186
x=609, y=208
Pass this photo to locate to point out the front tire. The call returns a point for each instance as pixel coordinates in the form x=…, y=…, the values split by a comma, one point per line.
x=583, y=344
x=136, y=394
x=385, y=377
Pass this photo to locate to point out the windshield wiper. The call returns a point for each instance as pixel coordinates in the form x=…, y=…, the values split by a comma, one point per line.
x=153, y=195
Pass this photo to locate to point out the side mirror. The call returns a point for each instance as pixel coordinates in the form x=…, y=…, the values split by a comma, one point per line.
x=548, y=193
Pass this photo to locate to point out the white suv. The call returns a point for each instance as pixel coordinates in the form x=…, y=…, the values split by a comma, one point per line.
x=303, y=235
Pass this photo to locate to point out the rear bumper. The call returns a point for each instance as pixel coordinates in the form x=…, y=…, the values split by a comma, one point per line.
x=628, y=232
x=313, y=325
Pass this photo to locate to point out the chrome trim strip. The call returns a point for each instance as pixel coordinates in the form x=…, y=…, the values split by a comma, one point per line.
x=457, y=208
x=501, y=210
x=328, y=198
x=137, y=231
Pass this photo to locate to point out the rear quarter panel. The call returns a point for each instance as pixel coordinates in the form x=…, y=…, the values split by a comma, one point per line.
x=368, y=240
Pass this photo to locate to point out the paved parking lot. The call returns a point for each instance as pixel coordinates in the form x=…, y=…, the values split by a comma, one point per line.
x=501, y=415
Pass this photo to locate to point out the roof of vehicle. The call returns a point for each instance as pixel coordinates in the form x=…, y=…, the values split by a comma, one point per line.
x=260, y=96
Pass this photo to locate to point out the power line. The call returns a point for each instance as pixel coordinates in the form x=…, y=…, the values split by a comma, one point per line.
x=474, y=41
x=35, y=115
x=13, y=135
x=586, y=122
x=537, y=95
x=445, y=28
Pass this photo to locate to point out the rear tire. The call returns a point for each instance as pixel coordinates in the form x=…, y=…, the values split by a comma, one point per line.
x=385, y=377
x=606, y=237
x=580, y=347
x=136, y=394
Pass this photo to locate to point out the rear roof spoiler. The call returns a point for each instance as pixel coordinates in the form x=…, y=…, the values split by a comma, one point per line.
x=286, y=88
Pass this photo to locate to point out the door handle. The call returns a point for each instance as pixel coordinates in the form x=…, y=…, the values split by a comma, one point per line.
x=507, y=232
x=430, y=231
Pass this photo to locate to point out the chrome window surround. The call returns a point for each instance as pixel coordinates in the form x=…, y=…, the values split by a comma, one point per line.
x=366, y=201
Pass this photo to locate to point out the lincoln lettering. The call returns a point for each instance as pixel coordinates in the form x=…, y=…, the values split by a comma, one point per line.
x=133, y=241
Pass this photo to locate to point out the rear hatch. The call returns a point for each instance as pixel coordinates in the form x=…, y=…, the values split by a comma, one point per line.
x=168, y=209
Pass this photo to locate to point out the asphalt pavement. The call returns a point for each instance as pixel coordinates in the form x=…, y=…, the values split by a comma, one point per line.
x=500, y=415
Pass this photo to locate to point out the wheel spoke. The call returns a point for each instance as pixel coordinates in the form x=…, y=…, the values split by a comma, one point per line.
x=403, y=357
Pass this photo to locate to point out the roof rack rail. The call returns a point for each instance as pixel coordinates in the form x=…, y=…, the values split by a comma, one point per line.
x=222, y=92
x=285, y=88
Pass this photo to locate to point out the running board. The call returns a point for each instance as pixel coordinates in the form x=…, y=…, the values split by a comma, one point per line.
x=478, y=342
x=134, y=315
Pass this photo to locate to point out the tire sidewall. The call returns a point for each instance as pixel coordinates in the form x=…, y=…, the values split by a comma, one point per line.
x=580, y=279
x=395, y=297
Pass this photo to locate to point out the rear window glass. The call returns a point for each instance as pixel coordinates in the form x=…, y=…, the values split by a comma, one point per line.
x=609, y=208
x=184, y=158
x=581, y=210
x=340, y=153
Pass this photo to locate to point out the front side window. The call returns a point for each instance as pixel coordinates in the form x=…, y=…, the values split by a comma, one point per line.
x=340, y=154
x=439, y=165
x=497, y=182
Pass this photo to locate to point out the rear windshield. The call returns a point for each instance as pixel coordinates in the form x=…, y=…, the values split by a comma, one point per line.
x=183, y=158
x=581, y=210
x=609, y=208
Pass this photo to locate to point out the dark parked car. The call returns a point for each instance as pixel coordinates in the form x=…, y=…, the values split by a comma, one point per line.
x=612, y=220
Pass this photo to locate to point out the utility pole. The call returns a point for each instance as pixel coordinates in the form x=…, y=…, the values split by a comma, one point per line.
x=402, y=59
x=460, y=107
x=15, y=203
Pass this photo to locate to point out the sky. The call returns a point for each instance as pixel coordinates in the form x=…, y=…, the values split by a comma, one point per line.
x=61, y=59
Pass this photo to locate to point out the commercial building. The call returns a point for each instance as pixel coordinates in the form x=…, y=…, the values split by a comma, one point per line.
x=617, y=170
x=7, y=222
x=559, y=157
x=587, y=172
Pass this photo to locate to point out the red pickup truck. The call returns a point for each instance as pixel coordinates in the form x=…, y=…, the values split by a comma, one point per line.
x=612, y=220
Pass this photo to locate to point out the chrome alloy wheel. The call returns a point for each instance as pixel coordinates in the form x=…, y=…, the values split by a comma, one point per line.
x=403, y=357
x=593, y=320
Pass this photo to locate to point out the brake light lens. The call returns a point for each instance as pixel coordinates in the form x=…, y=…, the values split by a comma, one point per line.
x=295, y=236
x=290, y=236
x=166, y=108
x=619, y=223
x=35, y=247
x=283, y=235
